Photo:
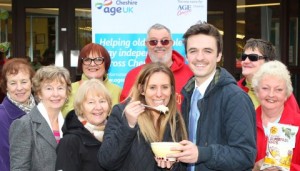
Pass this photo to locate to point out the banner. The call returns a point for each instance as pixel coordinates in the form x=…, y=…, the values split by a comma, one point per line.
x=121, y=27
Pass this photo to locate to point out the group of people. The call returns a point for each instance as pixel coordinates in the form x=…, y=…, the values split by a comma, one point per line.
x=48, y=123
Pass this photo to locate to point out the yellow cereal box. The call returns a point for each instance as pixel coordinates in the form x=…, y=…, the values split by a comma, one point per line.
x=281, y=143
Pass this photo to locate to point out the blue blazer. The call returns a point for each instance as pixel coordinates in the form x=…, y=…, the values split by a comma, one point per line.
x=32, y=143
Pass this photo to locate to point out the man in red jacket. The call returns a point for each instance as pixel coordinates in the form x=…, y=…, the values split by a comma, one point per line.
x=159, y=44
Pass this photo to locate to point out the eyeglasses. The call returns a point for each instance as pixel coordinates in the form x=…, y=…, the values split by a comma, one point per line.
x=97, y=60
x=252, y=57
x=164, y=42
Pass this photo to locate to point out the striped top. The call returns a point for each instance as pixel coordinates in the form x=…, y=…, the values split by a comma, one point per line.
x=56, y=135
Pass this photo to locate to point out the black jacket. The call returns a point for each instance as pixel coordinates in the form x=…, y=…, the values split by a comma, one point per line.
x=226, y=132
x=77, y=150
x=125, y=149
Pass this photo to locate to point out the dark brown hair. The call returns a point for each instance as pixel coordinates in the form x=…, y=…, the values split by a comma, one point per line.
x=205, y=29
x=13, y=67
x=264, y=47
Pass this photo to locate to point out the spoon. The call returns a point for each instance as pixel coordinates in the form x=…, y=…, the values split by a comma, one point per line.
x=161, y=108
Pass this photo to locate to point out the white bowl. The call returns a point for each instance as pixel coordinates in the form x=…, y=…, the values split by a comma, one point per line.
x=162, y=149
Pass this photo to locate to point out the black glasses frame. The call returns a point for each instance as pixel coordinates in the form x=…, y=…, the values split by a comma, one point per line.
x=252, y=57
x=164, y=42
x=88, y=61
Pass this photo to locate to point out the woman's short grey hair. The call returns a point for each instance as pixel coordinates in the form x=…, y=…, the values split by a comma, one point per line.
x=276, y=69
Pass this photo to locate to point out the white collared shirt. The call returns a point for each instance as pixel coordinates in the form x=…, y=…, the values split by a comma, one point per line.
x=44, y=113
x=202, y=88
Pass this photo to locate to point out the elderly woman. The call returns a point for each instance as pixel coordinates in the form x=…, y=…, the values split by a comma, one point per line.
x=94, y=61
x=131, y=126
x=34, y=137
x=256, y=52
x=16, y=84
x=84, y=128
x=273, y=87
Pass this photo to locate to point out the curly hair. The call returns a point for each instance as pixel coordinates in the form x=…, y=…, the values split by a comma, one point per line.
x=13, y=67
x=48, y=74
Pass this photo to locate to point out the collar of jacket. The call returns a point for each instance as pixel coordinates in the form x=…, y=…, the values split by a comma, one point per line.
x=73, y=126
x=12, y=110
x=190, y=85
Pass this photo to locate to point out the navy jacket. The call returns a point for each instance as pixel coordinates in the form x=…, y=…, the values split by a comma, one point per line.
x=226, y=132
x=125, y=149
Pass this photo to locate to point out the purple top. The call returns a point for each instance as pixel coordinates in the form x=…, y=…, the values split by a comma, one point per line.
x=8, y=113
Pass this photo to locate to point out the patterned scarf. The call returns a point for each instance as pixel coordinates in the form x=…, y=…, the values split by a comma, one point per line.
x=25, y=107
x=97, y=131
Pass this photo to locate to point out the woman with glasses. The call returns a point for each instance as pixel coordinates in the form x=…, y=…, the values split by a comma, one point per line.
x=94, y=61
x=255, y=53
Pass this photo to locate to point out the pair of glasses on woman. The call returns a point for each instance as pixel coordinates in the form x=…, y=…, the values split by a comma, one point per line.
x=163, y=42
x=97, y=60
x=252, y=57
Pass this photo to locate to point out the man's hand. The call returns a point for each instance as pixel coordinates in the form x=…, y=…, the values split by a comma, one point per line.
x=188, y=154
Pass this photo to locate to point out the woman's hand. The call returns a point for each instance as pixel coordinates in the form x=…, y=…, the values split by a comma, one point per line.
x=132, y=111
x=258, y=165
x=272, y=169
x=164, y=163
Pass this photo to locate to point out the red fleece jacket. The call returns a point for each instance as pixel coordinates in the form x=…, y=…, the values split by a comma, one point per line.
x=289, y=116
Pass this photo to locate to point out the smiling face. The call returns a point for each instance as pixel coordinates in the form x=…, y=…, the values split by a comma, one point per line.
x=93, y=70
x=53, y=94
x=160, y=53
x=95, y=108
x=272, y=92
x=19, y=86
x=158, y=91
x=202, y=56
x=249, y=68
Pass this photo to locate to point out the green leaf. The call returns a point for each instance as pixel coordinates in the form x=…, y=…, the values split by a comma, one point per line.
x=3, y=14
x=4, y=46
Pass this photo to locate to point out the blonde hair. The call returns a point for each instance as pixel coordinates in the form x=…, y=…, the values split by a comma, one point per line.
x=92, y=85
x=273, y=68
x=145, y=120
x=48, y=74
